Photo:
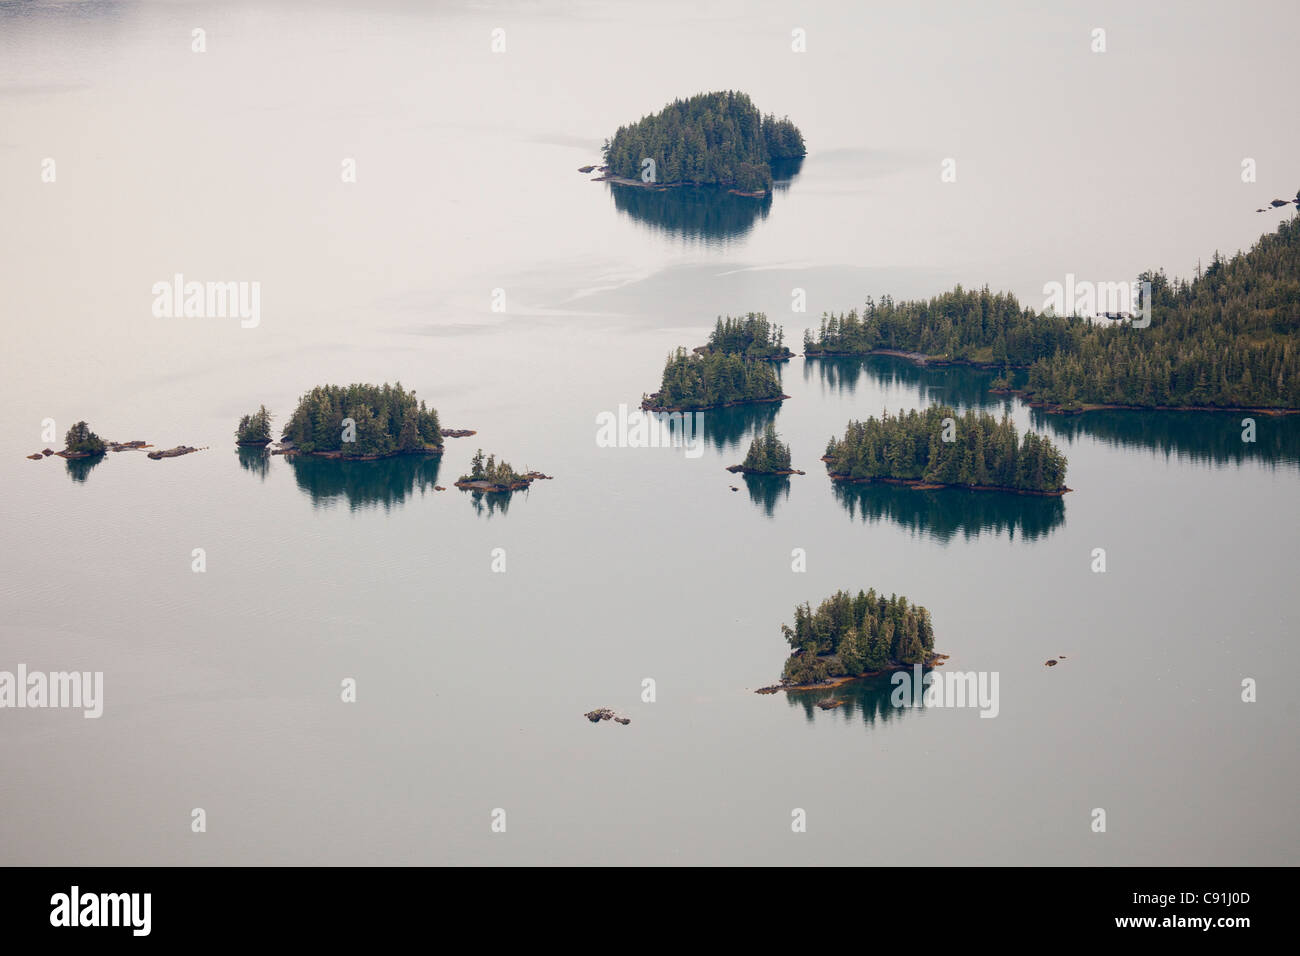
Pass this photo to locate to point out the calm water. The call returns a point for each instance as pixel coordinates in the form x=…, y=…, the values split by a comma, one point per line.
x=222, y=688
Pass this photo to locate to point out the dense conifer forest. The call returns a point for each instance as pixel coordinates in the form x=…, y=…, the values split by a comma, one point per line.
x=767, y=454
x=386, y=419
x=982, y=452
x=694, y=381
x=80, y=440
x=255, y=428
x=850, y=636
x=1225, y=339
x=751, y=336
x=711, y=138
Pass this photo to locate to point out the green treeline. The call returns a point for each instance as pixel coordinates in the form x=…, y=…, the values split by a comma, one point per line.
x=752, y=336
x=960, y=325
x=1227, y=338
x=693, y=381
x=490, y=470
x=80, y=440
x=386, y=420
x=711, y=138
x=767, y=453
x=850, y=635
x=981, y=452
x=255, y=427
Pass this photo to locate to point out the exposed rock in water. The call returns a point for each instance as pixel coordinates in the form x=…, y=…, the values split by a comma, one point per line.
x=47, y=452
x=604, y=713
x=586, y=169
x=37, y=457
x=458, y=432
x=439, y=488
x=172, y=452
x=623, y=720
x=126, y=445
x=1050, y=664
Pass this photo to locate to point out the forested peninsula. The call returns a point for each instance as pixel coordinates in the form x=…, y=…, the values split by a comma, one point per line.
x=938, y=447
x=848, y=637
x=697, y=381
x=1226, y=339
x=717, y=139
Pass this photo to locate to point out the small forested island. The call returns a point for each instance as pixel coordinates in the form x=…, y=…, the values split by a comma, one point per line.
x=488, y=474
x=1224, y=340
x=696, y=381
x=709, y=139
x=81, y=442
x=938, y=447
x=768, y=455
x=752, y=337
x=848, y=637
x=254, y=429
x=381, y=420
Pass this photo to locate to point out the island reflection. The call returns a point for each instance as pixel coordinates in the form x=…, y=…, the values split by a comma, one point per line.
x=705, y=214
x=364, y=484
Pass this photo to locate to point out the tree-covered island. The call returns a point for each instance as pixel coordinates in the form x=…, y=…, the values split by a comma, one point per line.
x=81, y=442
x=751, y=336
x=848, y=637
x=717, y=139
x=697, y=381
x=498, y=477
x=362, y=422
x=1227, y=339
x=254, y=429
x=939, y=447
x=767, y=455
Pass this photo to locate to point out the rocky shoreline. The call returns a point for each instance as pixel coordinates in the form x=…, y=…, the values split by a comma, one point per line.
x=501, y=487
x=648, y=404
x=922, y=485
x=934, y=660
x=742, y=470
x=918, y=358
x=608, y=177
